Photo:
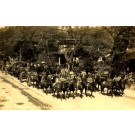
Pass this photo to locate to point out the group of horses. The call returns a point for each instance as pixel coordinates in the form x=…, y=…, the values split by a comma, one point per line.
x=69, y=84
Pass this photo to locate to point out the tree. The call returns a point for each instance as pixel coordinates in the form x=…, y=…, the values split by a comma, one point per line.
x=120, y=37
x=26, y=41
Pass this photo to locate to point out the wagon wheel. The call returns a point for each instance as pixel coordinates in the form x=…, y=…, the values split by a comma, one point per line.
x=28, y=81
x=20, y=77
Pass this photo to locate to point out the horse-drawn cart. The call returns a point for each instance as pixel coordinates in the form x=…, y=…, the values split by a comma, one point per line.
x=23, y=76
x=32, y=78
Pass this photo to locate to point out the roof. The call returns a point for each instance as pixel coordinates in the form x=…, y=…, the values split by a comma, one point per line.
x=130, y=53
x=132, y=50
x=87, y=48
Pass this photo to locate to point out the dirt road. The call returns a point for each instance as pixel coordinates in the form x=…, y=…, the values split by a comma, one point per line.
x=18, y=96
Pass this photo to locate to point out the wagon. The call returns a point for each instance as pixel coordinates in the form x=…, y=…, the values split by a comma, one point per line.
x=23, y=76
x=32, y=78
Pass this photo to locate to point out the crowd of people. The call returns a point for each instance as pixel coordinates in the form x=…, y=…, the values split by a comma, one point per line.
x=57, y=79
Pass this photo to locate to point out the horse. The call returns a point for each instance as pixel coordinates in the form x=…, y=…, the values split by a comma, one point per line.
x=98, y=81
x=84, y=81
x=72, y=87
x=9, y=69
x=47, y=83
x=121, y=85
x=59, y=86
x=43, y=81
x=63, y=88
x=116, y=86
x=79, y=86
x=32, y=79
x=108, y=84
x=16, y=70
x=89, y=86
x=40, y=80
x=56, y=88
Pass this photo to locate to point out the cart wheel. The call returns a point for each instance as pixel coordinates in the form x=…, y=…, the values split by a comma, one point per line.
x=20, y=78
x=28, y=81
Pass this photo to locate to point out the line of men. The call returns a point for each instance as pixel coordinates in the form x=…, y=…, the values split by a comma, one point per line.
x=59, y=78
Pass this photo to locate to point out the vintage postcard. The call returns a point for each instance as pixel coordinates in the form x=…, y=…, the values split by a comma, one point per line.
x=67, y=67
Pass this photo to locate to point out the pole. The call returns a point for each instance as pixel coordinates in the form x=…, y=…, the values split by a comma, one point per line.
x=20, y=54
x=59, y=60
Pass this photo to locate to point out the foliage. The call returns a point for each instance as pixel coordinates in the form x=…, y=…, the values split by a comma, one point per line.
x=121, y=41
x=37, y=43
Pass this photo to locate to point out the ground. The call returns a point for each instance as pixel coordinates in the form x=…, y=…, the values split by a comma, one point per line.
x=15, y=95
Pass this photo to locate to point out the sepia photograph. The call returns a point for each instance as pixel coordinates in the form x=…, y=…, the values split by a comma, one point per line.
x=67, y=67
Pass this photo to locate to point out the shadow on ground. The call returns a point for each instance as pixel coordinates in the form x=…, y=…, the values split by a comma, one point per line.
x=35, y=101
